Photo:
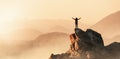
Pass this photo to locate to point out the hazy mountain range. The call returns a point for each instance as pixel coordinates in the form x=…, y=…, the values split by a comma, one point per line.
x=53, y=35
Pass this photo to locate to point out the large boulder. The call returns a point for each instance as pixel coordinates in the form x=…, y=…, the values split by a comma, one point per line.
x=89, y=45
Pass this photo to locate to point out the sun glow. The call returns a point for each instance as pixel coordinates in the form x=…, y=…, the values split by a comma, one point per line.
x=7, y=18
x=8, y=15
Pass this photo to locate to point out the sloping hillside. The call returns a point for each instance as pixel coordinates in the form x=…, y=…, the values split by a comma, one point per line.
x=109, y=26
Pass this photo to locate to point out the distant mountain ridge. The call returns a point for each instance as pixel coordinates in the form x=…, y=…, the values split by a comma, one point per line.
x=53, y=38
x=109, y=26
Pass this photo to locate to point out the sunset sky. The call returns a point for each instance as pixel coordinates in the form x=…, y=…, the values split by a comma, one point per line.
x=35, y=29
x=91, y=11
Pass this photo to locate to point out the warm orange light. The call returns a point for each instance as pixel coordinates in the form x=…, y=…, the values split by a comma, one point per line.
x=7, y=16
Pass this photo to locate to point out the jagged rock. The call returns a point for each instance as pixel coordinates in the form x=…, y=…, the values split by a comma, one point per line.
x=89, y=45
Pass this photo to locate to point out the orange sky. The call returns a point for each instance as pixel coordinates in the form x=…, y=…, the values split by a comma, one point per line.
x=91, y=11
x=14, y=14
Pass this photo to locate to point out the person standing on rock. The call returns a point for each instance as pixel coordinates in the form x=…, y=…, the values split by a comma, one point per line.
x=76, y=21
x=73, y=37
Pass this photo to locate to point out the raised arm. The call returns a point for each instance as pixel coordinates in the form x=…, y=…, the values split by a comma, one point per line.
x=79, y=18
x=73, y=18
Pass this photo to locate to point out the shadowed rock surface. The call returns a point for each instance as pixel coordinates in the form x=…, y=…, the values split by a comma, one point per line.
x=89, y=45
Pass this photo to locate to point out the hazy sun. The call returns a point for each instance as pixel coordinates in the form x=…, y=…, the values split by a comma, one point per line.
x=7, y=17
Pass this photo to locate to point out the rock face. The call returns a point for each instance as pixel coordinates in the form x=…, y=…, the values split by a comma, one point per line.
x=89, y=45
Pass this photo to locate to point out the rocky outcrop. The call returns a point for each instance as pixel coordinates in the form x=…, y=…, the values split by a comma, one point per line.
x=89, y=45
